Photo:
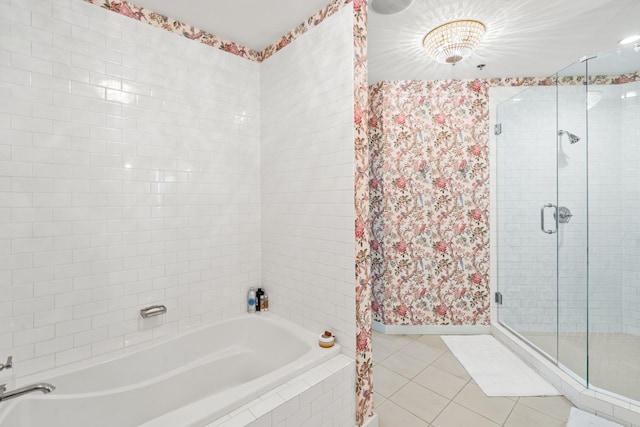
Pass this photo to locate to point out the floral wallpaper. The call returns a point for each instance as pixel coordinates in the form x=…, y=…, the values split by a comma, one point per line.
x=565, y=80
x=157, y=20
x=429, y=145
x=314, y=20
x=429, y=197
x=364, y=357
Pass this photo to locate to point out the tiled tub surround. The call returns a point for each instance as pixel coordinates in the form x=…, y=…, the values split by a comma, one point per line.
x=307, y=179
x=244, y=357
x=316, y=398
x=308, y=165
x=359, y=159
x=131, y=162
x=130, y=175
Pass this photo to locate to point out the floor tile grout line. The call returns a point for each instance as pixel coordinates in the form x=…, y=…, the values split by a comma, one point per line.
x=476, y=412
x=539, y=411
x=517, y=402
x=419, y=385
x=450, y=400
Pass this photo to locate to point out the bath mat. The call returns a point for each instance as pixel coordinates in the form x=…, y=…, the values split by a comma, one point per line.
x=495, y=369
x=578, y=418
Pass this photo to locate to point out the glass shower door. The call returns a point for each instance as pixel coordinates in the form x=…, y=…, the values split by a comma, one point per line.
x=526, y=184
x=613, y=109
x=573, y=218
x=567, y=208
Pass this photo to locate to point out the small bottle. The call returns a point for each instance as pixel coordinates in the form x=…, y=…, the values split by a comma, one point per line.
x=266, y=302
x=259, y=294
x=251, y=301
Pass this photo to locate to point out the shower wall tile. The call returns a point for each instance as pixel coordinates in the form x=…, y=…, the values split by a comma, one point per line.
x=630, y=206
x=527, y=180
x=307, y=179
x=129, y=175
x=528, y=144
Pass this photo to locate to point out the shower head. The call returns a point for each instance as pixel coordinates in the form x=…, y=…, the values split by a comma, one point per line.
x=572, y=138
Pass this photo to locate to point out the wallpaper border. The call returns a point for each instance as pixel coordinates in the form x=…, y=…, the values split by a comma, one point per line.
x=158, y=20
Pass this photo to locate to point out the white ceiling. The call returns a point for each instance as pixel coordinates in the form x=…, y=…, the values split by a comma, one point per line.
x=524, y=37
x=252, y=23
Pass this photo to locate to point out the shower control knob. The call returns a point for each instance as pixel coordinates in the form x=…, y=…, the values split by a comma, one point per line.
x=564, y=215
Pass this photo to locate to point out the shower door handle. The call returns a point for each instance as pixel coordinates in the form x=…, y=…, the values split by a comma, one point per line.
x=544, y=230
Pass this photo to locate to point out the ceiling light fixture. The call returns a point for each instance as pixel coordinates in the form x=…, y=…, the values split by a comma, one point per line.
x=389, y=7
x=454, y=41
x=630, y=39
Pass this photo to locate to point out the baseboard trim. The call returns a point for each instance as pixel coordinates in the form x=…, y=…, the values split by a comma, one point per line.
x=431, y=329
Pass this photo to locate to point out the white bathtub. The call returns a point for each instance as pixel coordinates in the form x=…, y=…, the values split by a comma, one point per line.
x=190, y=380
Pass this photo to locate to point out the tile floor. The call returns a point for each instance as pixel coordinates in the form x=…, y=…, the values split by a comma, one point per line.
x=419, y=383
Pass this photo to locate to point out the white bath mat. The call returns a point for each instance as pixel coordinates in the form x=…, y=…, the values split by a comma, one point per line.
x=495, y=369
x=578, y=418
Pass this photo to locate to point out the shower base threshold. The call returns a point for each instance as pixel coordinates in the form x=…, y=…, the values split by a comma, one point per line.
x=594, y=401
x=614, y=365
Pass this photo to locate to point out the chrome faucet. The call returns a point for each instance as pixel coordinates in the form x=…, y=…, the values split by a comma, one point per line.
x=43, y=387
x=7, y=365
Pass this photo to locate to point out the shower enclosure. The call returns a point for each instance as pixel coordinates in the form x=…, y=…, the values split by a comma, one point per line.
x=568, y=219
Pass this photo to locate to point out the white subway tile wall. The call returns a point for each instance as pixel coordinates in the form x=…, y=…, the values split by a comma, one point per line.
x=129, y=175
x=630, y=207
x=307, y=180
x=526, y=165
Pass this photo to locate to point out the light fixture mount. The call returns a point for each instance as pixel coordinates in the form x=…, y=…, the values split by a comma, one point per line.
x=454, y=41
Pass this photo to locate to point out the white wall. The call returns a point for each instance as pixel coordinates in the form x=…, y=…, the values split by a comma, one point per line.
x=129, y=175
x=307, y=179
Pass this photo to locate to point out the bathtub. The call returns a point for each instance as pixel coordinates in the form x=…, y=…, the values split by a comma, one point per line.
x=189, y=380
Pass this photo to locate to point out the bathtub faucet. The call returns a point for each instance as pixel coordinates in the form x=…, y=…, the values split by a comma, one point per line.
x=8, y=364
x=6, y=395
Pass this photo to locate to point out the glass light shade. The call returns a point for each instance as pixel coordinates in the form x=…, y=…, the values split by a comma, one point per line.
x=454, y=41
x=593, y=97
x=389, y=7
